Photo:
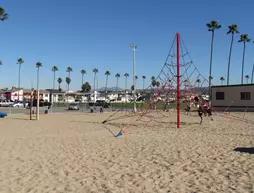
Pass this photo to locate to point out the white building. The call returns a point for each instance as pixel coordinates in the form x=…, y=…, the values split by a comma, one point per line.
x=44, y=95
x=56, y=95
x=233, y=97
x=14, y=94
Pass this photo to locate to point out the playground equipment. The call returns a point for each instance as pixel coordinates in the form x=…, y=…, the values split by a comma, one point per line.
x=178, y=82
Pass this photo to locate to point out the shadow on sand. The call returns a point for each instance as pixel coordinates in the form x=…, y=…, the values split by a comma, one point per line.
x=249, y=150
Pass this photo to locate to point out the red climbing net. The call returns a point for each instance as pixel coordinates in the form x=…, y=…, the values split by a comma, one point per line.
x=178, y=75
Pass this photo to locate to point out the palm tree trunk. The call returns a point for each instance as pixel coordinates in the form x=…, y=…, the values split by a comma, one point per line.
x=94, y=78
x=211, y=61
x=82, y=81
x=97, y=83
x=19, y=81
x=229, y=57
x=252, y=74
x=243, y=62
x=125, y=84
x=94, y=85
x=38, y=96
x=126, y=89
x=54, y=79
x=143, y=84
x=117, y=84
x=106, y=86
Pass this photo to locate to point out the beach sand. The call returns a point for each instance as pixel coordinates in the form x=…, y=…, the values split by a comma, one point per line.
x=74, y=152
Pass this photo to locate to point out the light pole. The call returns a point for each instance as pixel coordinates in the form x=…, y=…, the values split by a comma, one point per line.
x=133, y=46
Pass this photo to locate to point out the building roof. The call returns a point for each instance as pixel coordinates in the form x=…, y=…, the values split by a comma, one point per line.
x=232, y=85
x=55, y=91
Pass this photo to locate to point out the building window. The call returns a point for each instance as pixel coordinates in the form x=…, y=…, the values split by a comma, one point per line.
x=219, y=95
x=245, y=96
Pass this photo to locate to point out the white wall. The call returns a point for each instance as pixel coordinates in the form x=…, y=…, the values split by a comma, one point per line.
x=232, y=96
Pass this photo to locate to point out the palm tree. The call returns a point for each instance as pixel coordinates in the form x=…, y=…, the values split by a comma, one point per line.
x=20, y=61
x=1, y=63
x=136, y=79
x=59, y=80
x=3, y=14
x=247, y=78
x=69, y=70
x=83, y=72
x=212, y=26
x=222, y=79
x=244, y=38
x=38, y=66
x=198, y=81
x=68, y=82
x=126, y=75
x=95, y=71
x=143, y=77
x=117, y=79
x=158, y=84
x=185, y=84
x=232, y=29
x=107, y=74
x=153, y=81
x=54, y=69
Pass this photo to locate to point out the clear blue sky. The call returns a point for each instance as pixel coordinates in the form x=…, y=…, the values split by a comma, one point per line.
x=96, y=33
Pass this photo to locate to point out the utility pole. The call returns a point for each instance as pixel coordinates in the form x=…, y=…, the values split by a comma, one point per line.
x=133, y=46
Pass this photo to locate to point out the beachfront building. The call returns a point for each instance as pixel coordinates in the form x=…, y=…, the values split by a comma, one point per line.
x=238, y=97
x=2, y=95
x=27, y=93
x=44, y=95
x=14, y=94
x=56, y=95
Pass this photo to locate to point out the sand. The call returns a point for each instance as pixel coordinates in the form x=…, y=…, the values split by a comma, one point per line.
x=74, y=152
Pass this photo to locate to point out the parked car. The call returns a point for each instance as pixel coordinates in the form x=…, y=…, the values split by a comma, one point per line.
x=6, y=103
x=73, y=106
x=42, y=103
x=19, y=104
x=100, y=103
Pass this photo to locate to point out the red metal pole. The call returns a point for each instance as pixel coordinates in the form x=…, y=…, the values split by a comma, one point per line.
x=178, y=81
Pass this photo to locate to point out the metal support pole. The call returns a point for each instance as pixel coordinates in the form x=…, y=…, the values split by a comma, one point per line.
x=134, y=47
x=178, y=82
